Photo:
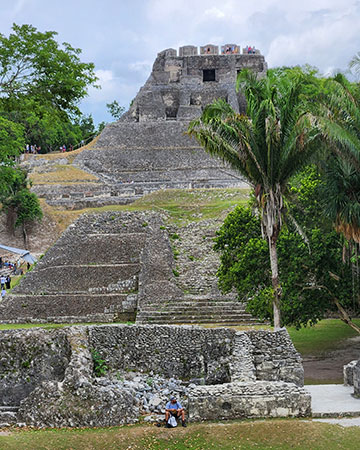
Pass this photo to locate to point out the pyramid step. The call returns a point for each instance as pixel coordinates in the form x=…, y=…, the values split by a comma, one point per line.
x=199, y=320
x=9, y=408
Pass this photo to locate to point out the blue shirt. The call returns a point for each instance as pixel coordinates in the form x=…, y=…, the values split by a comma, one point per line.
x=170, y=405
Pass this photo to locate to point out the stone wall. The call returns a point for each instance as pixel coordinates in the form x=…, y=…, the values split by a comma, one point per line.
x=29, y=357
x=186, y=352
x=275, y=357
x=348, y=371
x=356, y=379
x=52, y=373
x=211, y=354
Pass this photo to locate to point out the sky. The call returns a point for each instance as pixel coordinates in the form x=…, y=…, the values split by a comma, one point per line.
x=123, y=37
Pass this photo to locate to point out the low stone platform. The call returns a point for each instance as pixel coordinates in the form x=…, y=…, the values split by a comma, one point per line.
x=248, y=400
x=333, y=400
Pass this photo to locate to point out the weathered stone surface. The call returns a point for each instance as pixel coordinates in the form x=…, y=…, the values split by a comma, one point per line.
x=349, y=373
x=275, y=357
x=186, y=352
x=77, y=400
x=93, y=271
x=29, y=357
x=246, y=400
x=356, y=379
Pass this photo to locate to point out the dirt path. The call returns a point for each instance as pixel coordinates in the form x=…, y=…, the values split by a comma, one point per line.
x=328, y=368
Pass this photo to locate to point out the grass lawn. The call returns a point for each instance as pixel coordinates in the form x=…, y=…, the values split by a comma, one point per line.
x=260, y=434
x=326, y=335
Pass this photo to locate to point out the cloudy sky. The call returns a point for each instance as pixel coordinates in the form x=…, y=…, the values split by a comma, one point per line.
x=122, y=37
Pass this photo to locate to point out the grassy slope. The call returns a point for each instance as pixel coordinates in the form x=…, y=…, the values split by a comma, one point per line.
x=181, y=205
x=279, y=434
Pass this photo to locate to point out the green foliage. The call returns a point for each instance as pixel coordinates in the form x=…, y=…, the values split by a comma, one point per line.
x=32, y=64
x=21, y=206
x=100, y=367
x=11, y=140
x=115, y=109
x=310, y=279
x=27, y=207
x=41, y=84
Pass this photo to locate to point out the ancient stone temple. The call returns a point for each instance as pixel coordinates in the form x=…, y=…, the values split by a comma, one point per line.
x=147, y=149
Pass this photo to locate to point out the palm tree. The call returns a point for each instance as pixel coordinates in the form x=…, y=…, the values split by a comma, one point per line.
x=355, y=63
x=340, y=123
x=271, y=142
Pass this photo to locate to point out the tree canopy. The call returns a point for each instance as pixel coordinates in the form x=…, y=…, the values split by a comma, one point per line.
x=32, y=64
x=41, y=84
x=313, y=277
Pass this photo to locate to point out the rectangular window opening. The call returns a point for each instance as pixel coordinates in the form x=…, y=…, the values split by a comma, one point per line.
x=209, y=75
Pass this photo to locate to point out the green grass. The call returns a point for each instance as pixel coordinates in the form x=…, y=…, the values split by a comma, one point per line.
x=325, y=336
x=180, y=205
x=279, y=434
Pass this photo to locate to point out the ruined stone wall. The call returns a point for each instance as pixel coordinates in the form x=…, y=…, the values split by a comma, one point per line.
x=185, y=352
x=52, y=373
x=198, y=352
x=248, y=400
x=275, y=357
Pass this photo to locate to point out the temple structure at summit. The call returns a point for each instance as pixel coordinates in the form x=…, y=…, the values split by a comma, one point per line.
x=147, y=149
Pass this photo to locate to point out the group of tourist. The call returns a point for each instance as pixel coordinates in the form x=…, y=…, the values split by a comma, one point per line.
x=5, y=282
x=33, y=149
x=250, y=50
x=63, y=148
x=8, y=265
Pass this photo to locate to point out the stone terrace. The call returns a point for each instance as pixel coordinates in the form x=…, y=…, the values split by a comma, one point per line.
x=118, y=266
x=90, y=274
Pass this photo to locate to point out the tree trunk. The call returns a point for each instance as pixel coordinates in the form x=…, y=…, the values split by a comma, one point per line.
x=24, y=236
x=344, y=316
x=275, y=280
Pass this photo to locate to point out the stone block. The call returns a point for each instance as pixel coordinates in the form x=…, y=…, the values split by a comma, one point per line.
x=255, y=399
x=356, y=379
x=188, y=50
x=349, y=373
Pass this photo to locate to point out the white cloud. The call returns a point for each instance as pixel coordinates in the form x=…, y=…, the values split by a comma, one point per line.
x=214, y=13
x=141, y=66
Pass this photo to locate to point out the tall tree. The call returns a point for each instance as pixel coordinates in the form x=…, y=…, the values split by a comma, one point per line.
x=274, y=139
x=41, y=84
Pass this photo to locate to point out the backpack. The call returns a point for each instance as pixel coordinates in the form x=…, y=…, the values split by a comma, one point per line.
x=172, y=422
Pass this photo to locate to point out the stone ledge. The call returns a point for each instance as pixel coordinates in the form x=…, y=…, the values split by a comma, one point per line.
x=248, y=399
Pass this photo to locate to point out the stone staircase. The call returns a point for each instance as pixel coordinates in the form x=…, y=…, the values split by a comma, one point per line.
x=199, y=310
x=196, y=264
x=8, y=416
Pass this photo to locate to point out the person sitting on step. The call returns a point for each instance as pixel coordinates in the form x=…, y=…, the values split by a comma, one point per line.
x=174, y=408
